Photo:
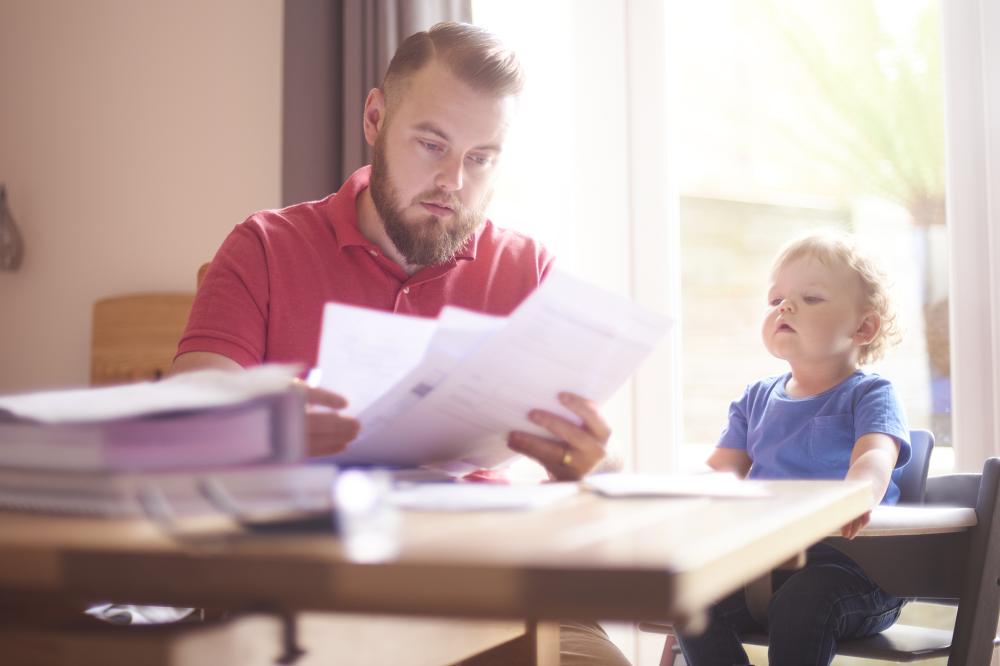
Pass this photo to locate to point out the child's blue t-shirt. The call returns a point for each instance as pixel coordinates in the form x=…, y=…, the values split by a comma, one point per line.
x=812, y=438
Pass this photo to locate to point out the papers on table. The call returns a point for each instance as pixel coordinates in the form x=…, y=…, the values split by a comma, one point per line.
x=719, y=484
x=448, y=391
x=219, y=436
x=265, y=490
x=200, y=390
x=480, y=496
x=199, y=419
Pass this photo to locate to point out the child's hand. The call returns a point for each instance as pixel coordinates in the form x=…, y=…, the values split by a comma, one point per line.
x=730, y=460
x=872, y=460
x=851, y=529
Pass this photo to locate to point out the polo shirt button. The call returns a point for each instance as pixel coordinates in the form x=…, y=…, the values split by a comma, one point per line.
x=374, y=253
x=406, y=290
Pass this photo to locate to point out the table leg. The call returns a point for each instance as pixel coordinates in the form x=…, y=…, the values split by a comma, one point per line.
x=539, y=646
x=545, y=636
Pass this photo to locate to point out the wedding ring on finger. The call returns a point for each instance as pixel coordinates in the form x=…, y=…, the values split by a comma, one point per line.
x=567, y=458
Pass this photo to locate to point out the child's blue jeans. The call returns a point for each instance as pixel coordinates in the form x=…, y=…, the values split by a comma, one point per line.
x=812, y=608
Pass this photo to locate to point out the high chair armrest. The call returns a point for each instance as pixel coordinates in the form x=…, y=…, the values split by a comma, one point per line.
x=916, y=519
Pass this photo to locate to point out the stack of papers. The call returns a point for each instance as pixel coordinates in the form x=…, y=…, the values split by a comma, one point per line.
x=446, y=392
x=205, y=389
x=198, y=443
x=254, y=490
x=198, y=419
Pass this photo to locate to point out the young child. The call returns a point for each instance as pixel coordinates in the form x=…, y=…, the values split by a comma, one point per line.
x=828, y=312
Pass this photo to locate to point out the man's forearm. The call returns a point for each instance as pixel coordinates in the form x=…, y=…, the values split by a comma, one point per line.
x=202, y=361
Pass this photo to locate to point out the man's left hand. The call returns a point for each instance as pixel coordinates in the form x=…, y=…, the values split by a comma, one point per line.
x=574, y=450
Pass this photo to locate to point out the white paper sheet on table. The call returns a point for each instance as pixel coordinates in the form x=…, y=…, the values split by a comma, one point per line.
x=480, y=496
x=478, y=377
x=712, y=484
x=201, y=390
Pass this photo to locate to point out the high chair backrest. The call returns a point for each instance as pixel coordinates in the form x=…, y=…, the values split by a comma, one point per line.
x=975, y=640
x=911, y=478
x=959, y=567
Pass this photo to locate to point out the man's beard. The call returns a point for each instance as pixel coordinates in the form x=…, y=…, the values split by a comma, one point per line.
x=428, y=241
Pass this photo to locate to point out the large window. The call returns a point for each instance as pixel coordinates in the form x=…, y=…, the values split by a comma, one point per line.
x=800, y=116
x=786, y=116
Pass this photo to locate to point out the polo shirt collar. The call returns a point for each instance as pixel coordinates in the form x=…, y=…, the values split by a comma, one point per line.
x=342, y=214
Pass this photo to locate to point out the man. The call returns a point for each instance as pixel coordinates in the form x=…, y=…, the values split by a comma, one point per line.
x=406, y=235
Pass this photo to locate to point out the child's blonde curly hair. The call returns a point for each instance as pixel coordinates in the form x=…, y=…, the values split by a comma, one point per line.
x=831, y=248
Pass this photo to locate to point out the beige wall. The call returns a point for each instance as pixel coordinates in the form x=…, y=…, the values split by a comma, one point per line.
x=133, y=136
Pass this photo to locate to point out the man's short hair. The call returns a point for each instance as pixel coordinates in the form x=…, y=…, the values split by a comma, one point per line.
x=474, y=55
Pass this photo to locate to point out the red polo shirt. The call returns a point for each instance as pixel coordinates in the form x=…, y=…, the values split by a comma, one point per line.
x=262, y=298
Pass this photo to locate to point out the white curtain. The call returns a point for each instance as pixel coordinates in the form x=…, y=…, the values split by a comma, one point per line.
x=972, y=112
x=335, y=51
x=371, y=32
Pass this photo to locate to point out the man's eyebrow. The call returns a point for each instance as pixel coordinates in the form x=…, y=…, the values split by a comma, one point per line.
x=431, y=128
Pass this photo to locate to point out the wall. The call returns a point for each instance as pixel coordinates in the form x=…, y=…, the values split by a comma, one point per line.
x=133, y=136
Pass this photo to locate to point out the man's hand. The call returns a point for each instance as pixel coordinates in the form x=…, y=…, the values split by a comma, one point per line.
x=328, y=431
x=574, y=450
x=851, y=529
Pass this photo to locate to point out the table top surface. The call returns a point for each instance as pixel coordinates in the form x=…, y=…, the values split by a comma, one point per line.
x=583, y=556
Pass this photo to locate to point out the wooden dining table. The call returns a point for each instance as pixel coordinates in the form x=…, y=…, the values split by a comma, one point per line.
x=584, y=556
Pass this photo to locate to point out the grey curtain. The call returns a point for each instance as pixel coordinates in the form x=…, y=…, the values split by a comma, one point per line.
x=335, y=52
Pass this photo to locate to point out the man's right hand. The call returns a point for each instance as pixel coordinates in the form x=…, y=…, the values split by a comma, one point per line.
x=329, y=432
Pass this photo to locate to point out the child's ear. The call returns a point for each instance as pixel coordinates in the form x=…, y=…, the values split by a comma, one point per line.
x=869, y=327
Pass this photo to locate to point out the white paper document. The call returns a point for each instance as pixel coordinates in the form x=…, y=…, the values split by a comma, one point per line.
x=713, y=484
x=480, y=496
x=452, y=403
x=204, y=389
x=192, y=420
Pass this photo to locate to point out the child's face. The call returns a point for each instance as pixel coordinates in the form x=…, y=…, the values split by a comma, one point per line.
x=814, y=313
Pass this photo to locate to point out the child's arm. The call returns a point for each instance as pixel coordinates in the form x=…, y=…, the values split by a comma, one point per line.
x=872, y=459
x=729, y=460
